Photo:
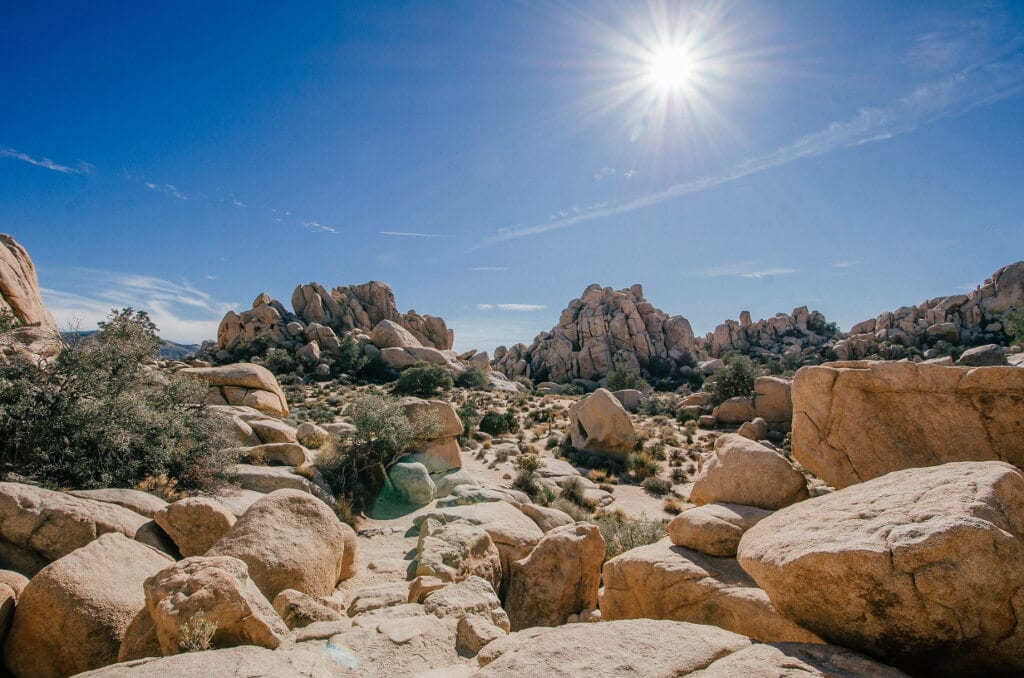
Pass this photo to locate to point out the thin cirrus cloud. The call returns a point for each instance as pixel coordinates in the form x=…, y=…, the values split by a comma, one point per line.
x=744, y=269
x=181, y=311
x=169, y=189
x=489, y=269
x=954, y=95
x=519, y=308
x=317, y=227
x=845, y=264
x=46, y=163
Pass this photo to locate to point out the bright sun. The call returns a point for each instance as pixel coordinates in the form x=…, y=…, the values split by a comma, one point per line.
x=671, y=68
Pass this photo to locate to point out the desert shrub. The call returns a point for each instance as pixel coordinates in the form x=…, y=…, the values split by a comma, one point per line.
x=349, y=358
x=625, y=377
x=642, y=466
x=658, y=403
x=597, y=475
x=97, y=416
x=736, y=378
x=683, y=416
x=672, y=505
x=525, y=381
x=622, y=533
x=474, y=379
x=573, y=491
x=528, y=465
x=573, y=390
x=679, y=475
x=657, y=486
x=499, y=423
x=423, y=380
x=572, y=509
x=470, y=416
x=1013, y=325
x=196, y=632
x=356, y=466
x=279, y=361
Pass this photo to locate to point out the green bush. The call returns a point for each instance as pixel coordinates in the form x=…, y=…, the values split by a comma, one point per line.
x=1013, y=325
x=279, y=361
x=736, y=378
x=528, y=465
x=657, y=486
x=622, y=533
x=573, y=390
x=658, y=403
x=96, y=416
x=625, y=377
x=473, y=378
x=355, y=466
x=423, y=380
x=499, y=423
x=642, y=466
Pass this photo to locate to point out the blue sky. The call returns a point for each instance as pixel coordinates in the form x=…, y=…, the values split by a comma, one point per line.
x=489, y=160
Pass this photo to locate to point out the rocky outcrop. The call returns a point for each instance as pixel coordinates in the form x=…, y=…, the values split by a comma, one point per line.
x=941, y=323
x=601, y=330
x=38, y=526
x=742, y=471
x=220, y=588
x=599, y=424
x=19, y=294
x=859, y=420
x=456, y=551
x=662, y=581
x=714, y=529
x=320, y=317
x=559, y=578
x=919, y=567
x=440, y=451
x=243, y=384
x=194, y=523
x=73, y=615
x=800, y=333
x=291, y=540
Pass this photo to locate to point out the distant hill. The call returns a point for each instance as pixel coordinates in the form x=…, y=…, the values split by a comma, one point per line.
x=170, y=350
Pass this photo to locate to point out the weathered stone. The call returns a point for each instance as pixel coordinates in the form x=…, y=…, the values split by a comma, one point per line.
x=273, y=431
x=73, y=614
x=983, y=356
x=142, y=503
x=412, y=482
x=219, y=588
x=741, y=471
x=291, y=540
x=299, y=610
x=918, y=567
x=474, y=632
x=714, y=529
x=735, y=411
x=560, y=577
x=855, y=421
x=194, y=523
x=600, y=425
x=662, y=581
x=455, y=551
x=244, y=384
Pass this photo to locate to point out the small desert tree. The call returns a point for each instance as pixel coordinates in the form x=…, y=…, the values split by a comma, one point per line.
x=736, y=378
x=1013, y=325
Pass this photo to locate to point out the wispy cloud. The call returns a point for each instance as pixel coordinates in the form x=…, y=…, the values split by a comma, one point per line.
x=489, y=269
x=520, y=308
x=768, y=273
x=743, y=269
x=629, y=174
x=169, y=189
x=604, y=173
x=407, y=234
x=317, y=227
x=181, y=311
x=928, y=103
x=845, y=264
x=46, y=163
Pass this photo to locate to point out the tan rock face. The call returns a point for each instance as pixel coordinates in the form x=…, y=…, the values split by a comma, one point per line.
x=243, y=384
x=143, y=503
x=662, y=581
x=735, y=410
x=919, y=567
x=195, y=524
x=773, y=399
x=72, y=616
x=299, y=610
x=741, y=471
x=600, y=425
x=798, y=659
x=219, y=587
x=389, y=334
x=455, y=551
x=859, y=420
x=714, y=529
x=291, y=540
x=638, y=647
x=19, y=286
x=38, y=526
x=600, y=330
x=560, y=577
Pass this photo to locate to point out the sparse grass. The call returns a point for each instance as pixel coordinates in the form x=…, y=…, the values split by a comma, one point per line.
x=195, y=633
x=672, y=505
x=622, y=533
x=657, y=486
x=573, y=510
x=641, y=466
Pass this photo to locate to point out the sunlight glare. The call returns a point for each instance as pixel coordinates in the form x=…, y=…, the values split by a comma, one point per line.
x=671, y=68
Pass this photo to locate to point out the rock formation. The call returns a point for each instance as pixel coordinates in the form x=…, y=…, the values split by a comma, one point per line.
x=601, y=330
x=854, y=421
x=19, y=294
x=321, y=317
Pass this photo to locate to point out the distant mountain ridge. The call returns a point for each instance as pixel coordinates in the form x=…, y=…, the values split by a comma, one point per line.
x=169, y=350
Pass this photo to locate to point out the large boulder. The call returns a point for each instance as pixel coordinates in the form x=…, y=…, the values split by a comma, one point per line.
x=714, y=529
x=290, y=540
x=742, y=471
x=389, y=334
x=411, y=481
x=773, y=401
x=600, y=425
x=73, y=615
x=440, y=452
x=38, y=526
x=662, y=581
x=983, y=356
x=920, y=567
x=194, y=523
x=559, y=578
x=735, y=411
x=243, y=384
x=455, y=551
x=221, y=590
x=854, y=421
x=267, y=479
x=143, y=503
x=19, y=295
